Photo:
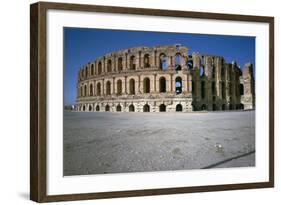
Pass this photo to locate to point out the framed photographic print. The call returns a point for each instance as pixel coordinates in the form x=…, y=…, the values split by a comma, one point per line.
x=134, y=102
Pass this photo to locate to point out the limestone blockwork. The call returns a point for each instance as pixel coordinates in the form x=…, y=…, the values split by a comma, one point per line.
x=163, y=79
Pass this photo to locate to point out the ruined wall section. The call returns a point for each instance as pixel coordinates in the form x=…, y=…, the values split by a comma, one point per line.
x=248, y=97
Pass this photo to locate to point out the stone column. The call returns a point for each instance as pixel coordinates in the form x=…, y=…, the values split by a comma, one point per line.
x=172, y=89
x=113, y=86
x=190, y=84
x=139, y=61
x=125, y=85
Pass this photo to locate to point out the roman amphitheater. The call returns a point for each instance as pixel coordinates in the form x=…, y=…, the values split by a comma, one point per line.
x=163, y=79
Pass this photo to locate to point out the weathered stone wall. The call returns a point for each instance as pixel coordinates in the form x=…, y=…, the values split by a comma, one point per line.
x=163, y=78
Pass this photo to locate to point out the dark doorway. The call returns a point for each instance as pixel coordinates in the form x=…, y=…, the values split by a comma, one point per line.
x=146, y=108
x=131, y=108
x=97, y=108
x=162, y=85
x=107, y=108
x=146, y=85
x=162, y=108
x=179, y=108
x=118, y=108
x=132, y=87
x=203, y=107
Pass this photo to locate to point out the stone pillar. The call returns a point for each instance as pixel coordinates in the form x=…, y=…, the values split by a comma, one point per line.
x=154, y=79
x=113, y=86
x=172, y=89
x=125, y=85
x=139, y=61
x=139, y=86
x=190, y=84
x=124, y=63
x=248, y=98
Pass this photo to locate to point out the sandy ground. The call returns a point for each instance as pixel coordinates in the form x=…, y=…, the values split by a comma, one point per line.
x=98, y=143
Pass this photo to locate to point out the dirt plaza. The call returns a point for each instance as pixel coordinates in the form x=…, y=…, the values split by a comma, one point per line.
x=106, y=142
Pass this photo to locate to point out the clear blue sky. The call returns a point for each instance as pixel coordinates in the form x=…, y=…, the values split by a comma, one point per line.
x=84, y=45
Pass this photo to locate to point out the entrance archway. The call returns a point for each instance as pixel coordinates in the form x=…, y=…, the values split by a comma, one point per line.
x=179, y=108
x=131, y=108
x=97, y=108
x=118, y=108
x=107, y=108
x=203, y=107
x=162, y=108
x=146, y=108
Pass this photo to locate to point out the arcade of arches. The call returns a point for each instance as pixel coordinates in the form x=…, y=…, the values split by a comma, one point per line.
x=164, y=79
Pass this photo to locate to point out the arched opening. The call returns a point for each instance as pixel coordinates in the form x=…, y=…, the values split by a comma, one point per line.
x=91, y=89
x=241, y=89
x=92, y=69
x=90, y=107
x=146, y=61
x=84, y=107
x=214, y=72
x=203, y=89
x=203, y=107
x=163, y=62
x=120, y=66
x=132, y=63
x=223, y=90
x=146, y=108
x=230, y=107
x=87, y=71
x=97, y=108
x=131, y=108
x=189, y=64
x=178, y=85
x=179, y=108
x=83, y=73
x=81, y=91
x=201, y=71
x=162, y=85
x=178, y=61
x=162, y=108
x=132, y=87
x=107, y=108
x=222, y=72
x=119, y=87
x=146, y=85
x=223, y=107
x=230, y=88
x=109, y=66
x=85, y=90
x=214, y=107
x=241, y=106
x=118, y=108
x=98, y=89
x=108, y=88
x=99, y=68
x=213, y=88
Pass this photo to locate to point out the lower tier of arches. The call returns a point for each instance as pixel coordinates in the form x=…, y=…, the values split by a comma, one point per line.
x=175, y=105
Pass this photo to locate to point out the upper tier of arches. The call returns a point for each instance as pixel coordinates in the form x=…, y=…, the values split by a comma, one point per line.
x=156, y=58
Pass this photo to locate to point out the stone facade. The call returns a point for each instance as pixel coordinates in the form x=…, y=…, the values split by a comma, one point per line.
x=163, y=78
